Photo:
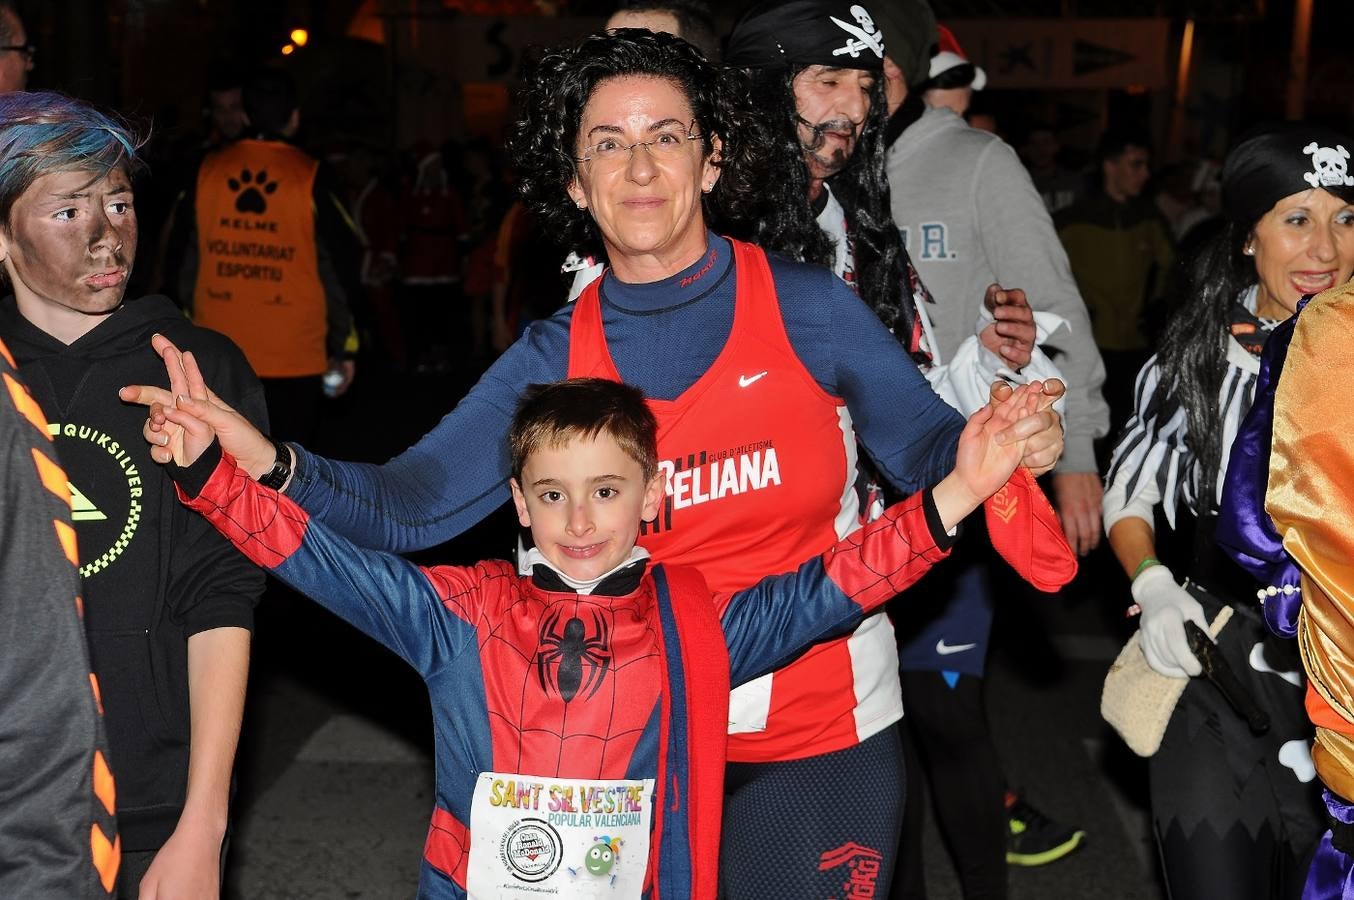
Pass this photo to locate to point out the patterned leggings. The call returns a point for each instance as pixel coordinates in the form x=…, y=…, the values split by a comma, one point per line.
x=814, y=828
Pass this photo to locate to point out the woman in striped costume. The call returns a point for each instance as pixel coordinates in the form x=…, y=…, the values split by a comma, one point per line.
x=1235, y=814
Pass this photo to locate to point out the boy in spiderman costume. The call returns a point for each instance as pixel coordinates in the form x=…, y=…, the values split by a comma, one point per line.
x=580, y=710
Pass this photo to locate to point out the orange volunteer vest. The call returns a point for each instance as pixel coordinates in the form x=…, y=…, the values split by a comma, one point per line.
x=760, y=465
x=258, y=279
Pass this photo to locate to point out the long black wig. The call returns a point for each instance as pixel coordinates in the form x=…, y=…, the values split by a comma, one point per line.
x=789, y=225
x=1192, y=355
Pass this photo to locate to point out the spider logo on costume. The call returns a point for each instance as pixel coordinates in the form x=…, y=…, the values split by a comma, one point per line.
x=562, y=658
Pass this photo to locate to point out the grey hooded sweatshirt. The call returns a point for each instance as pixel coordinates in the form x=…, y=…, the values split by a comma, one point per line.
x=970, y=216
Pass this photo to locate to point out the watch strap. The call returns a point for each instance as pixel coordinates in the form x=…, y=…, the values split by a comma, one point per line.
x=277, y=476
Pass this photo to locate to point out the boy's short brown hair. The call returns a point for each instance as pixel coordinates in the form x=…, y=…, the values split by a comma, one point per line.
x=550, y=415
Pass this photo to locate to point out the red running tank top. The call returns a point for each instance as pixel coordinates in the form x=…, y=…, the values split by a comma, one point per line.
x=760, y=464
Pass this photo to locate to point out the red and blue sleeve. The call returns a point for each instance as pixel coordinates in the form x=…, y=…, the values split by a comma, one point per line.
x=776, y=619
x=425, y=616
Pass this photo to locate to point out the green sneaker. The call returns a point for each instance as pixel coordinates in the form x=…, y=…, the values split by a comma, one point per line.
x=1033, y=839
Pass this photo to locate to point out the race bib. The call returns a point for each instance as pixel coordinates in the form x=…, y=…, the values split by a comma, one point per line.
x=533, y=837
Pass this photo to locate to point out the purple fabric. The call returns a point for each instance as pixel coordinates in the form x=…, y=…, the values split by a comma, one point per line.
x=1331, y=876
x=1244, y=531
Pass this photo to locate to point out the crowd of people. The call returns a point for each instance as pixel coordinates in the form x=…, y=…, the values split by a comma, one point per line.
x=765, y=319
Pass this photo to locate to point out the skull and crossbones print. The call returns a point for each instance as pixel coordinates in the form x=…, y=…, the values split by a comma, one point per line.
x=1330, y=166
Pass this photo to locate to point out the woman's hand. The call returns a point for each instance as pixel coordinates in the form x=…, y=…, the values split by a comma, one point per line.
x=1042, y=432
x=989, y=452
x=1166, y=607
x=989, y=449
x=252, y=450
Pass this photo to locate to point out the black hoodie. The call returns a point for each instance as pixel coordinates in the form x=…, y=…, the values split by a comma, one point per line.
x=155, y=573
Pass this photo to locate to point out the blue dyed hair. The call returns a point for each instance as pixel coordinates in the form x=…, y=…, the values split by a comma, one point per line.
x=42, y=132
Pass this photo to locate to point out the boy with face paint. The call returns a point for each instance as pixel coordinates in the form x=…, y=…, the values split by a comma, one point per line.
x=168, y=605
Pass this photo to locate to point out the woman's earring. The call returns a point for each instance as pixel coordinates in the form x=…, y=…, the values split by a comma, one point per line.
x=1249, y=250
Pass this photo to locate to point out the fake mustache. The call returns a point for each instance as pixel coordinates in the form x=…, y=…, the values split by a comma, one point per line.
x=844, y=127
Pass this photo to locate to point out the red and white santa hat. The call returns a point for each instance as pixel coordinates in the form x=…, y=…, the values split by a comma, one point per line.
x=951, y=55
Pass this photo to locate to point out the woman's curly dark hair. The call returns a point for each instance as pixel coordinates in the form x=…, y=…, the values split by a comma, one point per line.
x=558, y=88
x=788, y=224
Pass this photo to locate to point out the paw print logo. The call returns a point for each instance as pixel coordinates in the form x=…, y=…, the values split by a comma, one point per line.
x=250, y=189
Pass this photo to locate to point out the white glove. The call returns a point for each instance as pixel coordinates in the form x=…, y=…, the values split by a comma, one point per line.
x=1166, y=607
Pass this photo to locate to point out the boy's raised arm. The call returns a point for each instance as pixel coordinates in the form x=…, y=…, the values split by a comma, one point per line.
x=776, y=619
x=424, y=616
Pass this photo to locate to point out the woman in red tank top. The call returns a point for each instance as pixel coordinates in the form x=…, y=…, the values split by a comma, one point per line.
x=633, y=140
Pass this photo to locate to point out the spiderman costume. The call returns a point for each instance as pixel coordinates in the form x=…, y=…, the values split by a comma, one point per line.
x=646, y=673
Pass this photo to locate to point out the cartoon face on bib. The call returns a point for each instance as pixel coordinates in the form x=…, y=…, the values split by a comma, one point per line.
x=599, y=859
x=601, y=856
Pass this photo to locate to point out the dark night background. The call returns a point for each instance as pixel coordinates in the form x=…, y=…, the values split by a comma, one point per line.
x=334, y=784
x=149, y=58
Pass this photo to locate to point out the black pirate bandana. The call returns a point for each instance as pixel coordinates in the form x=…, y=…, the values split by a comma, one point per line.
x=1281, y=161
x=806, y=32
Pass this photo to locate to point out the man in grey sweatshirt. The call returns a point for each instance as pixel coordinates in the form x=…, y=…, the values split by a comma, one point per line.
x=970, y=216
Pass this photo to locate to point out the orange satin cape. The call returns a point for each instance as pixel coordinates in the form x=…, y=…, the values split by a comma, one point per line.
x=1311, y=499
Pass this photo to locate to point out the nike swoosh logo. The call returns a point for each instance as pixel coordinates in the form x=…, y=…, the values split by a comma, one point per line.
x=745, y=380
x=945, y=649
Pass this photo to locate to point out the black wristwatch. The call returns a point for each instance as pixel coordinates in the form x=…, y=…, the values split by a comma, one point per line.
x=277, y=476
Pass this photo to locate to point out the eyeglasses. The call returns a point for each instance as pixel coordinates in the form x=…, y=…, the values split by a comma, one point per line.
x=28, y=50
x=665, y=145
